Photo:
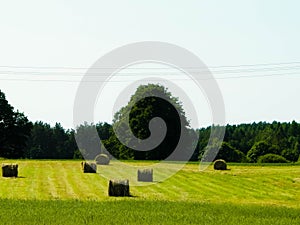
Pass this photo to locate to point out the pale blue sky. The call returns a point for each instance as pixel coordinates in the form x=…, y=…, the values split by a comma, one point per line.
x=76, y=33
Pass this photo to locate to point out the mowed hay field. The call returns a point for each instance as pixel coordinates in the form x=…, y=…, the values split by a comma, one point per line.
x=58, y=192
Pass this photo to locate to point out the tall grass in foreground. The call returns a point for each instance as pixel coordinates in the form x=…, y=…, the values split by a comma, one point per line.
x=130, y=211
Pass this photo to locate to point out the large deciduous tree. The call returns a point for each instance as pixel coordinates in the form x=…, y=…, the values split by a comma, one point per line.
x=14, y=130
x=148, y=102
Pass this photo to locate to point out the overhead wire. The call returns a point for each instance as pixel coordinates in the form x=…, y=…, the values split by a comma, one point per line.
x=209, y=67
x=241, y=72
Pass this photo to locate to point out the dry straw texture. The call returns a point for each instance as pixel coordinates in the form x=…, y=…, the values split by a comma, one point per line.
x=220, y=164
x=118, y=188
x=88, y=167
x=9, y=170
x=102, y=159
x=145, y=175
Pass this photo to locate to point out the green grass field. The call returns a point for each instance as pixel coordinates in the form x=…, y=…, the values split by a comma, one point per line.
x=57, y=192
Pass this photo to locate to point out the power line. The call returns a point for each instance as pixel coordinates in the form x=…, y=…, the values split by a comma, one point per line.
x=150, y=80
x=98, y=74
x=103, y=68
x=253, y=68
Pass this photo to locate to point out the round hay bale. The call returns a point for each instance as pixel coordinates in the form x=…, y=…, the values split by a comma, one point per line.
x=118, y=188
x=10, y=170
x=88, y=167
x=220, y=164
x=145, y=175
x=102, y=159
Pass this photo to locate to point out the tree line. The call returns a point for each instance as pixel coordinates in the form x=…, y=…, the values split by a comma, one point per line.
x=242, y=143
x=250, y=142
x=20, y=138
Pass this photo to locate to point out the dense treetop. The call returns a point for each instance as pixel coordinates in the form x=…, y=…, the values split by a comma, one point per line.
x=148, y=102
